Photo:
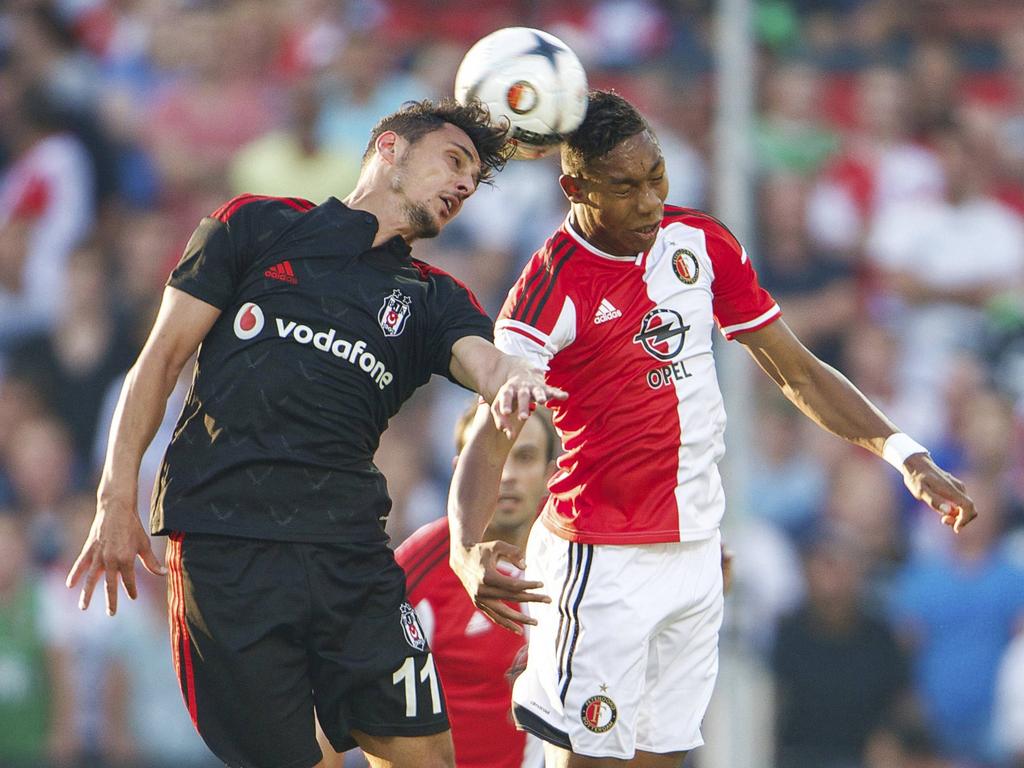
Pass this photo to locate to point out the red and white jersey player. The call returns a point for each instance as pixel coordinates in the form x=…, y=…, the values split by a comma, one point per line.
x=642, y=431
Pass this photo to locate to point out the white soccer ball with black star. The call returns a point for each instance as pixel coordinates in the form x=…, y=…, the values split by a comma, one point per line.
x=532, y=79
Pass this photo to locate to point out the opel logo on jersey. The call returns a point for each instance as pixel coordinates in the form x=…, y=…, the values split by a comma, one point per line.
x=684, y=264
x=662, y=333
x=411, y=628
x=393, y=313
x=248, y=321
x=599, y=714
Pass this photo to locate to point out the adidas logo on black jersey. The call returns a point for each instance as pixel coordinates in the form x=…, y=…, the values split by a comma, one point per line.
x=282, y=272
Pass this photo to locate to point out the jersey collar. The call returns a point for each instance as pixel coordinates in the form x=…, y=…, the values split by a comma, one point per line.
x=579, y=239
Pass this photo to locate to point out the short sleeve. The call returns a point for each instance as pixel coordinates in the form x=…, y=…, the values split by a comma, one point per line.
x=538, y=319
x=457, y=314
x=739, y=302
x=212, y=264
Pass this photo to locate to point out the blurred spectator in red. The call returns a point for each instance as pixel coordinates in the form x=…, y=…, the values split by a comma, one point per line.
x=791, y=134
x=839, y=668
x=957, y=608
x=942, y=261
x=46, y=209
x=33, y=678
x=291, y=161
x=73, y=365
x=878, y=167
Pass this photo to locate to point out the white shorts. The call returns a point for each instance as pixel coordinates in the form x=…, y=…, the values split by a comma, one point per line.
x=625, y=656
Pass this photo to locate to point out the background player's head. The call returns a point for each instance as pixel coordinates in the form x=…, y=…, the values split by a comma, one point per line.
x=613, y=173
x=433, y=156
x=524, y=479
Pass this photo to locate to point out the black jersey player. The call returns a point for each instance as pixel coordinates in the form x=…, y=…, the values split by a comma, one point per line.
x=314, y=324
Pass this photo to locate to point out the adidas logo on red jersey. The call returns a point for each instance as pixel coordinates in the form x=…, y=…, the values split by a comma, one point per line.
x=282, y=272
x=606, y=312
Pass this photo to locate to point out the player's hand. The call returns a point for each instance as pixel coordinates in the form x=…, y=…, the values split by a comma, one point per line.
x=939, y=490
x=478, y=568
x=115, y=540
x=518, y=397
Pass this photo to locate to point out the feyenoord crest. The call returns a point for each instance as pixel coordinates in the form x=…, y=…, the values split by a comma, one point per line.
x=599, y=714
x=684, y=264
x=411, y=628
x=393, y=313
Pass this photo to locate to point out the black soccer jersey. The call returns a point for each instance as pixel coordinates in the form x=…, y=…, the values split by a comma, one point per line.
x=321, y=338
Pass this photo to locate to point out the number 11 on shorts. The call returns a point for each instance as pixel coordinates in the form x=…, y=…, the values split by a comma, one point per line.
x=407, y=674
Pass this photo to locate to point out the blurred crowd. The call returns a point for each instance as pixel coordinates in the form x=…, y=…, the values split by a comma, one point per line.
x=890, y=226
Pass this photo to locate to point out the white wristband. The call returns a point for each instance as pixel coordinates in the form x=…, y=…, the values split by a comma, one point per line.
x=899, y=447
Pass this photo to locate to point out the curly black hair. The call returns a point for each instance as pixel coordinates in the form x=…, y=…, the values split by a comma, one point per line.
x=610, y=120
x=418, y=118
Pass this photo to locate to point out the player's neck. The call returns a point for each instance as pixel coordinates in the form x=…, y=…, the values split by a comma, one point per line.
x=585, y=227
x=516, y=536
x=385, y=207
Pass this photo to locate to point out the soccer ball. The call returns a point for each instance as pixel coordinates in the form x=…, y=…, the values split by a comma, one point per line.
x=531, y=78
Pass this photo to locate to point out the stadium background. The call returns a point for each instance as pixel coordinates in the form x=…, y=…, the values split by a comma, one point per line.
x=889, y=145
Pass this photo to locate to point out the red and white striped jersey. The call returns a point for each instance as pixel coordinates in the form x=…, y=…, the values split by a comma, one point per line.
x=629, y=339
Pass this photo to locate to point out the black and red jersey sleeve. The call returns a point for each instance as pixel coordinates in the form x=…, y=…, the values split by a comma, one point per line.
x=222, y=247
x=455, y=313
x=739, y=302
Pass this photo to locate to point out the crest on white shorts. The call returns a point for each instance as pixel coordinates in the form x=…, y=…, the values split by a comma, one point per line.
x=599, y=714
x=411, y=628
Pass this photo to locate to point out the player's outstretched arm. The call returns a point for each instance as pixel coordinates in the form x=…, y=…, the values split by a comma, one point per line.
x=508, y=383
x=471, y=502
x=117, y=536
x=828, y=397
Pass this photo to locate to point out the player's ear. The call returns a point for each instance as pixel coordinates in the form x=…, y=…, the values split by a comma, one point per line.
x=387, y=146
x=571, y=188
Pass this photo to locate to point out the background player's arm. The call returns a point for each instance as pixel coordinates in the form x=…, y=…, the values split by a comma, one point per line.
x=828, y=397
x=508, y=383
x=471, y=503
x=117, y=535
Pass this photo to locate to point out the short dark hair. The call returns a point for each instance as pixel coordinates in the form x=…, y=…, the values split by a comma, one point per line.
x=610, y=120
x=552, y=444
x=416, y=119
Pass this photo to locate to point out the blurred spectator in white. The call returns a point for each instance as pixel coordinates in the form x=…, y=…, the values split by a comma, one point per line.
x=291, y=161
x=46, y=209
x=957, y=607
x=818, y=293
x=33, y=678
x=40, y=459
x=839, y=668
x=791, y=134
x=878, y=167
x=74, y=364
x=99, y=693
x=942, y=261
x=1008, y=710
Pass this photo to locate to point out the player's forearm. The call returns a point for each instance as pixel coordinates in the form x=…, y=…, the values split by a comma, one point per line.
x=475, y=483
x=828, y=398
x=138, y=414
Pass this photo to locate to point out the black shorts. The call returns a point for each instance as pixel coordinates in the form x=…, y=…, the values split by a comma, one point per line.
x=264, y=632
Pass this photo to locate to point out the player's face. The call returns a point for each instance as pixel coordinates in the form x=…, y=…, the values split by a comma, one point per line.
x=524, y=478
x=434, y=176
x=622, y=198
